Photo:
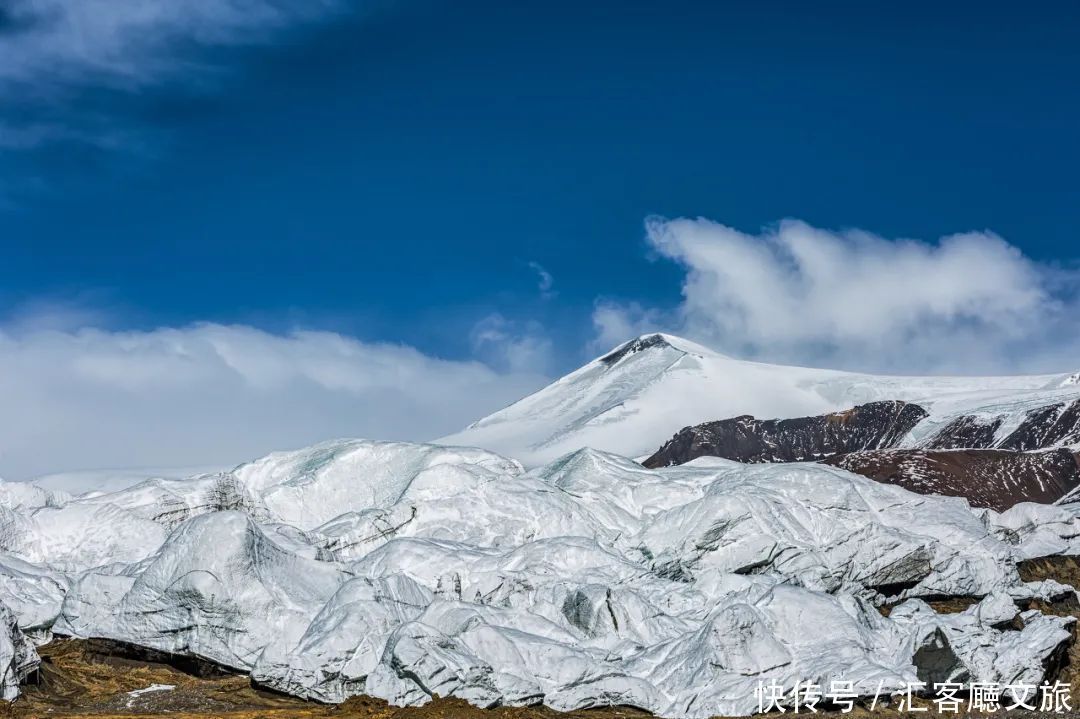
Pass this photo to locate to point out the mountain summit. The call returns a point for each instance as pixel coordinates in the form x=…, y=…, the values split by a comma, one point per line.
x=634, y=398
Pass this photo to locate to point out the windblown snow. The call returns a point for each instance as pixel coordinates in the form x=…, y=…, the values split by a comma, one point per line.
x=408, y=571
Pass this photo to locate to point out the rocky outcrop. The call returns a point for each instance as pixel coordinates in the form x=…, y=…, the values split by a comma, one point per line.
x=638, y=345
x=876, y=425
x=993, y=478
x=1051, y=425
x=965, y=458
x=967, y=432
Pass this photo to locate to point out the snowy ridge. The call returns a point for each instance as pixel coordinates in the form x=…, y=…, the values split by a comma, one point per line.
x=636, y=397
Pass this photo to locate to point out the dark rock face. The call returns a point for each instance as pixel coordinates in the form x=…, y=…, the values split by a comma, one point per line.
x=991, y=478
x=1046, y=427
x=966, y=432
x=876, y=425
x=633, y=346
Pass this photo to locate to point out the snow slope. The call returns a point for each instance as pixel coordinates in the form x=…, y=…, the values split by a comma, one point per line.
x=636, y=397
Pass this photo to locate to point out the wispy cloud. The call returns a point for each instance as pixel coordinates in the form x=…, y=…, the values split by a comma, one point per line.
x=213, y=394
x=512, y=346
x=52, y=51
x=545, y=281
x=50, y=44
x=794, y=293
x=615, y=322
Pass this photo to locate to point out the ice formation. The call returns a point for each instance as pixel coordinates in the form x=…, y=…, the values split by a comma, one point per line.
x=585, y=582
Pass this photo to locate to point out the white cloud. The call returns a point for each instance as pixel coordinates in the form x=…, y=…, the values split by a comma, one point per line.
x=794, y=293
x=214, y=394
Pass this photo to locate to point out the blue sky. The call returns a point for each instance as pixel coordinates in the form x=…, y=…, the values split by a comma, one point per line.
x=471, y=180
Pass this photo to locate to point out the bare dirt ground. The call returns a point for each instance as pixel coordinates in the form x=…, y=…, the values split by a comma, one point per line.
x=91, y=680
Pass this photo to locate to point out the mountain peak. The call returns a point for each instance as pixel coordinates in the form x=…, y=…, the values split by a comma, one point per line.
x=655, y=341
x=634, y=346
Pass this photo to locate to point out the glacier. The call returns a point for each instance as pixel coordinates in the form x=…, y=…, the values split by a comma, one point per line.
x=587, y=581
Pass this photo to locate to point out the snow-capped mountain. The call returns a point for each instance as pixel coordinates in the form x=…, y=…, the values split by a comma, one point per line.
x=633, y=399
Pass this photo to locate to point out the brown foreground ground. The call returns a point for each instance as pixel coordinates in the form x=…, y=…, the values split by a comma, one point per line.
x=88, y=679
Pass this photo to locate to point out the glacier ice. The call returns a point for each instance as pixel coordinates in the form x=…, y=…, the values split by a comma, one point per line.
x=18, y=658
x=220, y=589
x=408, y=571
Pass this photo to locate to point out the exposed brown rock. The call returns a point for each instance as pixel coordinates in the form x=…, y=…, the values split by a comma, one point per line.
x=967, y=432
x=1051, y=425
x=874, y=425
x=1048, y=426
x=992, y=478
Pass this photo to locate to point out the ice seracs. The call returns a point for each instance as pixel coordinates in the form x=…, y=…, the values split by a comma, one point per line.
x=585, y=582
x=219, y=589
x=644, y=614
x=34, y=594
x=308, y=487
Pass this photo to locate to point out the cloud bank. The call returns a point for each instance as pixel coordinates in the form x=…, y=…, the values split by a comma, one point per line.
x=968, y=303
x=214, y=394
